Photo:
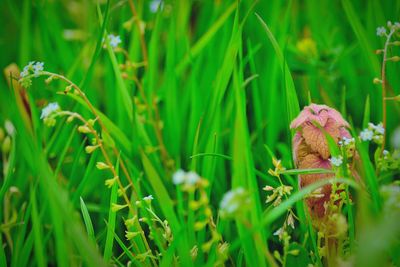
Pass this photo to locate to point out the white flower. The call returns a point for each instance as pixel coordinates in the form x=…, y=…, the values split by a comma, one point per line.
x=379, y=128
x=9, y=126
x=336, y=161
x=49, y=109
x=346, y=141
x=155, y=4
x=28, y=68
x=385, y=153
x=182, y=177
x=114, y=40
x=179, y=177
x=381, y=31
x=192, y=178
x=38, y=67
x=233, y=200
x=366, y=135
x=24, y=73
x=149, y=197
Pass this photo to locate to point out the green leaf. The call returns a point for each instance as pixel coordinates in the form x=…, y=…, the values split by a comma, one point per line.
x=88, y=221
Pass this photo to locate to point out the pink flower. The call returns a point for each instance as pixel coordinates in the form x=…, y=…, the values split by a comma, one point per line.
x=310, y=147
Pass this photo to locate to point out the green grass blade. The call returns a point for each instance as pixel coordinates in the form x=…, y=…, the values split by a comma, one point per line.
x=88, y=221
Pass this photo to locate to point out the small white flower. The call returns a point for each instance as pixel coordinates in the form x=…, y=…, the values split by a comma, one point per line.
x=148, y=199
x=336, y=161
x=366, y=135
x=381, y=31
x=379, y=128
x=192, y=178
x=24, y=73
x=114, y=40
x=385, y=152
x=187, y=178
x=38, y=67
x=179, y=177
x=155, y=5
x=347, y=141
x=49, y=109
x=233, y=200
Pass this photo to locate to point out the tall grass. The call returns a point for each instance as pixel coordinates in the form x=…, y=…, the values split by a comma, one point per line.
x=213, y=84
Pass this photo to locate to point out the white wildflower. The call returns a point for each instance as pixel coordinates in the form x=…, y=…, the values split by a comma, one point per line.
x=379, y=128
x=381, y=31
x=179, y=177
x=192, y=178
x=366, y=135
x=38, y=67
x=233, y=201
x=336, y=161
x=24, y=73
x=114, y=40
x=347, y=141
x=187, y=178
x=49, y=109
x=148, y=199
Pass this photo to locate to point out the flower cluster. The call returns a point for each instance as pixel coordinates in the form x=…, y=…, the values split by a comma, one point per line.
x=336, y=161
x=346, y=141
x=373, y=132
x=35, y=67
x=381, y=31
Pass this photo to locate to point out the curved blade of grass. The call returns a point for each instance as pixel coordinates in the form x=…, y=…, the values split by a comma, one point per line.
x=37, y=231
x=306, y=171
x=87, y=220
x=205, y=39
x=293, y=107
x=125, y=96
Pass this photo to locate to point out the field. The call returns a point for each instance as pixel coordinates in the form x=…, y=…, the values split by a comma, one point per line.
x=199, y=133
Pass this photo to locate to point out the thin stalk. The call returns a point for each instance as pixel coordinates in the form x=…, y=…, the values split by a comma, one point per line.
x=384, y=83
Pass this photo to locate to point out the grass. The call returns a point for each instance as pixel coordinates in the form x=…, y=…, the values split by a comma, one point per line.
x=204, y=86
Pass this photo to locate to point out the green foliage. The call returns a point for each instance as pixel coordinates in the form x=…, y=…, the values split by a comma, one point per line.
x=208, y=87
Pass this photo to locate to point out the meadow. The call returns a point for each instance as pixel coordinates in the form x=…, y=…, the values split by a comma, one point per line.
x=199, y=133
